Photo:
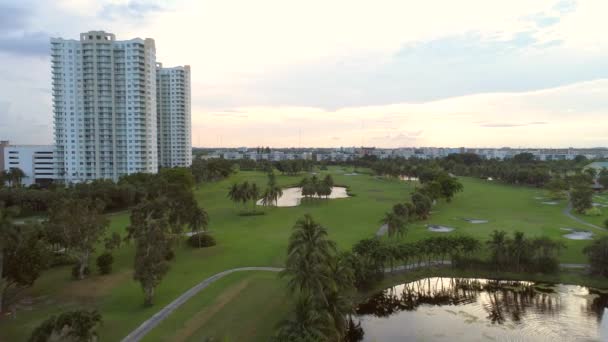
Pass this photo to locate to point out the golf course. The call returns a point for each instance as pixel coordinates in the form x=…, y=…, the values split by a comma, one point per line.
x=246, y=306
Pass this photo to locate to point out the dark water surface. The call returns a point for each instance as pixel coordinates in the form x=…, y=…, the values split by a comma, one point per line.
x=456, y=309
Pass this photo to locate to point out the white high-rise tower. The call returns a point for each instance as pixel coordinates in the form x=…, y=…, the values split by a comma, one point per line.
x=104, y=99
x=174, y=116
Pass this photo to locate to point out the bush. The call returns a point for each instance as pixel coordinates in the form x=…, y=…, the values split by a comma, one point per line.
x=201, y=240
x=76, y=269
x=169, y=255
x=104, y=263
x=606, y=223
x=595, y=211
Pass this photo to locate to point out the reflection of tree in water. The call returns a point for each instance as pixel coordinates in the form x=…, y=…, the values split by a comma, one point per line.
x=596, y=304
x=502, y=300
x=512, y=300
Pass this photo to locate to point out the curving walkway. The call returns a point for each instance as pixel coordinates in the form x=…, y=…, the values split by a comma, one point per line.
x=568, y=212
x=158, y=317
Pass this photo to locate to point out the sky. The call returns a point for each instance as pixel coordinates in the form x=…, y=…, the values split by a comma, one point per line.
x=330, y=73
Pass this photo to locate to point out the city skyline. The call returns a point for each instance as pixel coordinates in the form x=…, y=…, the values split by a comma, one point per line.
x=325, y=75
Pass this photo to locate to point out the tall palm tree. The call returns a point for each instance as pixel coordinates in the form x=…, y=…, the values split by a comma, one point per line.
x=253, y=193
x=395, y=224
x=199, y=221
x=308, y=258
x=307, y=324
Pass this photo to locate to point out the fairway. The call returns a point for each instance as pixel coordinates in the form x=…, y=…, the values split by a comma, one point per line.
x=247, y=306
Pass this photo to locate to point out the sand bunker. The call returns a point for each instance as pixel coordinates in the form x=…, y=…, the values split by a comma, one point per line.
x=577, y=234
x=439, y=229
x=550, y=203
x=292, y=197
x=351, y=174
x=475, y=221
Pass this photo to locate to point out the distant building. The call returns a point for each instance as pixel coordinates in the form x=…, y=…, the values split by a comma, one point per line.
x=36, y=161
x=174, y=116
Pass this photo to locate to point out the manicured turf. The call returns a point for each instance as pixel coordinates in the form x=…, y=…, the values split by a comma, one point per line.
x=246, y=306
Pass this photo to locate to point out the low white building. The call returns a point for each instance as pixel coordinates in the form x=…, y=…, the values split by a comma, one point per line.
x=36, y=161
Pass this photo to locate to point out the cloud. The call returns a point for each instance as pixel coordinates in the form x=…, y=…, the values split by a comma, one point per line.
x=25, y=44
x=569, y=115
x=12, y=18
x=15, y=38
x=135, y=9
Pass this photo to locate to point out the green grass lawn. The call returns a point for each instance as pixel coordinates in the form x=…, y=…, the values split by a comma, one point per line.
x=246, y=306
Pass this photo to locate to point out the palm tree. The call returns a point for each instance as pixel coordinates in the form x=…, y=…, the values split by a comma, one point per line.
x=235, y=194
x=253, y=193
x=498, y=247
x=244, y=193
x=199, y=220
x=395, y=224
x=309, y=253
x=307, y=324
x=518, y=247
x=273, y=191
x=15, y=175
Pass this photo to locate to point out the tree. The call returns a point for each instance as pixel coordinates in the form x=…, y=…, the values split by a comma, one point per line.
x=309, y=252
x=273, y=191
x=235, y=193
x=497, y=246
x=199, y=221
x=14, y=176
x=449, y=187
x=395, y=223
x=25, y=257
x=308, y=324
x=80, y=225
x=253, y=193
x=149, y=229
x=603, y=178
x=77, y=326
x=597, y=253
x=556, y=187
x=581, y=197
x=422, y=204
x=104, y=263
x=518, y=248
x=8, y=234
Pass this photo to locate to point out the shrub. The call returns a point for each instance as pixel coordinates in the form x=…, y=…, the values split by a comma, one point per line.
x=104, y=263
x=606, y=223
x=201, y=240
x=76, y=269
x=595, y=211
x=169, y=255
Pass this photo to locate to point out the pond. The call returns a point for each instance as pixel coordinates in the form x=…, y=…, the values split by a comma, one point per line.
x=459, y=309
x=293, y=196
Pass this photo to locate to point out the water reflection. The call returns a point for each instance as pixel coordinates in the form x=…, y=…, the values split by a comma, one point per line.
x=457, y=309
